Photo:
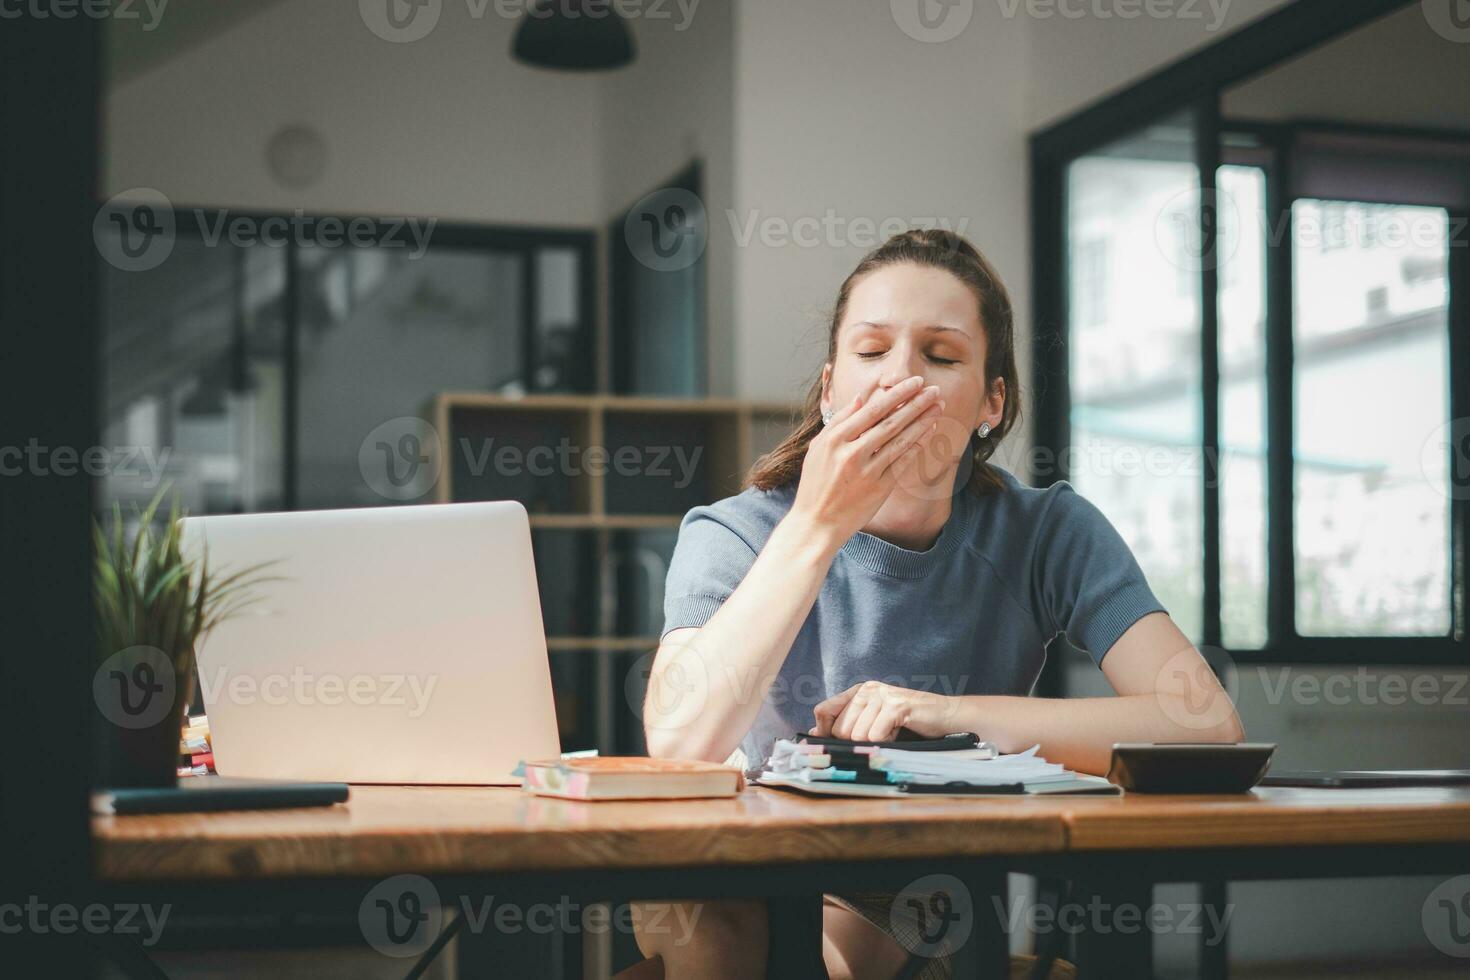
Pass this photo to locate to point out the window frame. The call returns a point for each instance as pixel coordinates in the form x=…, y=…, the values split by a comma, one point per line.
x=193, y=220
x=1196, y=85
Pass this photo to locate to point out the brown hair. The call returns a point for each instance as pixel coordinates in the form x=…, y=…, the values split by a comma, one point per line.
x=954, y=254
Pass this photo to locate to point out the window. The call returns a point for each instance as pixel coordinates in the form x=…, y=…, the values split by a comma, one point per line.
x=1299, y=495
x=1371, y=340
x=226, y=361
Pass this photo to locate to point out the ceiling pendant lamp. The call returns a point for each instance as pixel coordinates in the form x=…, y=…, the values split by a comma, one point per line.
x=573, y=35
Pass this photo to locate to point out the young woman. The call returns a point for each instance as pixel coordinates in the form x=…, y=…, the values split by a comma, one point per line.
x=878, y=573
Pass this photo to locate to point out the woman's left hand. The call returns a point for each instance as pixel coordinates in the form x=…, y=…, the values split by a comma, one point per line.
x=874, y=711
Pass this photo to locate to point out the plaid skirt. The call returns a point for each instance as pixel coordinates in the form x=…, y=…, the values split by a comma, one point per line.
x=913, y=926
x=901, y=920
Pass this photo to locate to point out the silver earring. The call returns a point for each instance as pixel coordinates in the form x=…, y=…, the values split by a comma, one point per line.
x=826, y=416
x=984, y=430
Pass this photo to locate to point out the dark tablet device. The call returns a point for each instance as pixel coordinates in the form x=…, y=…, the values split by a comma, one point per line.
x=911, y=742
x=1368, y=778
x=1189, y=767
x=196, y=793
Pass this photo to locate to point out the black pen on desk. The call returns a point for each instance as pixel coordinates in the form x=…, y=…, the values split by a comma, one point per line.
x=1009, y=789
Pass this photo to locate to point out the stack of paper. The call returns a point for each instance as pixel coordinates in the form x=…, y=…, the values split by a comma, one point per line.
x=884, y=771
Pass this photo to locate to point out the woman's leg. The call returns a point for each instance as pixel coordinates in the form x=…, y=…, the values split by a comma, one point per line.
x=856, y=949
x=715, y=939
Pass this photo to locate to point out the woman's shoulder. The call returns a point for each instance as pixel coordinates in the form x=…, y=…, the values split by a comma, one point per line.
x=1018, y=513
x=752, y=514
x=1022, y=499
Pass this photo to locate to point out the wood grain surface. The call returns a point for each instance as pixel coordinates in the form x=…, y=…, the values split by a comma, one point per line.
x=1271, y=816
x=389, y=830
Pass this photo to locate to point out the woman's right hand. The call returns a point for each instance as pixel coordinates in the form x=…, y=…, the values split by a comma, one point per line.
x=849, y=467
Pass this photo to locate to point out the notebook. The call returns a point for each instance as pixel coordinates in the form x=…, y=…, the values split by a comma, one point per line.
x=882, y=769
x=629, y=778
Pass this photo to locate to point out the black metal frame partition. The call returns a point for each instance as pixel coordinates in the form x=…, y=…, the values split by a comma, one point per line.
x=193, y=222
x=1195, y=85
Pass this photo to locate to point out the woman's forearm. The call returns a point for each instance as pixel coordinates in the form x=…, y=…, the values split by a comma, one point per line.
x=1080, y=732
x=704, y=694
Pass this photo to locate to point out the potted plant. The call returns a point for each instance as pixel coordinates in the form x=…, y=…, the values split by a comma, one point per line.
x=153, y=607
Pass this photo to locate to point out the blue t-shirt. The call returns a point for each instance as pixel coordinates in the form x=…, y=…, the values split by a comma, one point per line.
x=971, y=615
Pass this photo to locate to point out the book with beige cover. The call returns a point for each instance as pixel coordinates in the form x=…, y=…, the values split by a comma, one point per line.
x=629, y=778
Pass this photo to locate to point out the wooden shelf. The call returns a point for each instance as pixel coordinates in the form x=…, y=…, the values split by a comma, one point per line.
x=594, y=643
x=583, y=435
x=613, y=522
x=603, y=532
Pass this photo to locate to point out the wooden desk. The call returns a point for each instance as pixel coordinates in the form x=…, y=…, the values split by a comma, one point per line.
x=1271, y=817
x=769, y=842
x=385, y=830
x=472, y=842
x=1119, y=848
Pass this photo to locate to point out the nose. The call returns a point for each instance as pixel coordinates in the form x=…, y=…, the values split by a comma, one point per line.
x=902, y=367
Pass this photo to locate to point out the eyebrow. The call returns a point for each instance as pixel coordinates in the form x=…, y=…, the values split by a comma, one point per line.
x=933, y=327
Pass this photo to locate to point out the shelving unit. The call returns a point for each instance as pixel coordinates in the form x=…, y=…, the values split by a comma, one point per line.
x=607, y=480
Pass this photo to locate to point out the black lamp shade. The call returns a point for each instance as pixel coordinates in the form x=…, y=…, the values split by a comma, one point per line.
x=574, y=35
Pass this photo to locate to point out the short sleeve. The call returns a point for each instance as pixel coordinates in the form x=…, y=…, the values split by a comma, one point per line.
x=710, y=560
x=1086, y=583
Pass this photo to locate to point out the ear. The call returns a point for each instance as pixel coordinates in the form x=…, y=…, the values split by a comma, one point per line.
x=993, y=409
x=827, y=387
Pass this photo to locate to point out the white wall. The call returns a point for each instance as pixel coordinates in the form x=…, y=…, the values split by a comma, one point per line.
x=445, y=126
x=672, y=105
x=1076, y=60
x=1395, y=71
x=798, y=109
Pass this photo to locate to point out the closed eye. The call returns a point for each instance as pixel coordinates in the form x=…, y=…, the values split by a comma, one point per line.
x=868, y=355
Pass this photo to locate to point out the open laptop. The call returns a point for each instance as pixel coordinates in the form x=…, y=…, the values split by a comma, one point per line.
x=397, y=645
